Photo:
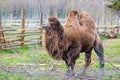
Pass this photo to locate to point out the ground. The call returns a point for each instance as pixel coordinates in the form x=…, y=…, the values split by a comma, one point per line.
x=33, y=63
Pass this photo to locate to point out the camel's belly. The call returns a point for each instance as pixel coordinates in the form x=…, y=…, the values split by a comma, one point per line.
x=86, y=48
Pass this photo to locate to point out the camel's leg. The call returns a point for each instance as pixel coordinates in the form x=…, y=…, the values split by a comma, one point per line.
x=100, y=52
x=87, y=59
x=67, y=65
x=98, y=47
x=73, y=60
x=72, y=55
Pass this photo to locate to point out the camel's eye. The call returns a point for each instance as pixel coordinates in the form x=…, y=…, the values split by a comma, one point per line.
x=51, y=23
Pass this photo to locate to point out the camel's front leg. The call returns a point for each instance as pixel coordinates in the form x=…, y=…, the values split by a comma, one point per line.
x=71, y=57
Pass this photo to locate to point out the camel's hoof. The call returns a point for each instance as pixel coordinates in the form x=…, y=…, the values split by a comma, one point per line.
x=70, y=73
x=102, y=72
x=83, y=74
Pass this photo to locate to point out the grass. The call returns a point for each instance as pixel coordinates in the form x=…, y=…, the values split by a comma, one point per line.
x=104, y=38
x=35, y=54
x=118, y=35
x=25, y=54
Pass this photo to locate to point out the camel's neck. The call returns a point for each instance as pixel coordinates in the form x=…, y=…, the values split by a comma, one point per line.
x=51, y=39
x=52, y=44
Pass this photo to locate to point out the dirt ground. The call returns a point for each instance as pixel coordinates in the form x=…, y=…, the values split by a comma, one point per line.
x=108, y=42
x=32, y=73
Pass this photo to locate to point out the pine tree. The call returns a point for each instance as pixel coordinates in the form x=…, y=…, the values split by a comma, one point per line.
x=115, y=5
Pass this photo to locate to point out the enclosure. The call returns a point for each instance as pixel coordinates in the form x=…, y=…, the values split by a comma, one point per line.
x=22, y=55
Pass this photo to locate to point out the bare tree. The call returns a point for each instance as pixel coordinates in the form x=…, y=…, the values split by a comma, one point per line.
x=58, y=8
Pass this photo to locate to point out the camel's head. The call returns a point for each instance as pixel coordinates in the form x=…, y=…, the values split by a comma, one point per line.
x=53, y=25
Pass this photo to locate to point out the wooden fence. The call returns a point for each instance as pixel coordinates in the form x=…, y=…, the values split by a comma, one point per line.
x=13, y=38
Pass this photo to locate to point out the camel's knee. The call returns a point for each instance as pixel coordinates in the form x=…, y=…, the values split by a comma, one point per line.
x=87, y=61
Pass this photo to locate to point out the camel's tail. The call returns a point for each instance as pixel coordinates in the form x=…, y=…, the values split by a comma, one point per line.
x=100, y=52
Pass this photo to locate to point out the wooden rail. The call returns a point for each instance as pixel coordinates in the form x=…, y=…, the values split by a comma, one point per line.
x=13, y=38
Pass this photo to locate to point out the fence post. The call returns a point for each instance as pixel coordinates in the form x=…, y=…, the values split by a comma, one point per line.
x=0, y=28
x=39, y=28
x=105, y=28
x=2, y=39
x=41, y=17
x=111, y=18
x=40, y=31
x=117, y=26
x=98, y=19
x=97, y=23
x=22, y=30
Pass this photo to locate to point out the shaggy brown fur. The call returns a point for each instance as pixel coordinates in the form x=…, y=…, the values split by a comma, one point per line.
x=66, y=42
x=86, y=21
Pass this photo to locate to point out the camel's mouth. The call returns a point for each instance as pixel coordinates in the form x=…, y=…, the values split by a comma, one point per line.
x=48, y=27
x=43, y=26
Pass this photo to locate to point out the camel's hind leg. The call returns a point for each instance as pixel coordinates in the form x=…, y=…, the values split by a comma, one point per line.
x=100, y=52
x=98, y=47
